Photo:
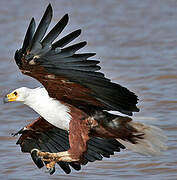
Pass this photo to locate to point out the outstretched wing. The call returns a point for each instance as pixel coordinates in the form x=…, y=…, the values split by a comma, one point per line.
x=46, y=137
x=67, y=76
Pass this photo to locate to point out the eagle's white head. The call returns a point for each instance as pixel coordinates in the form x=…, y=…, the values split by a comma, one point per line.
x=27, y=95
x=39, y=100
x=19, y=94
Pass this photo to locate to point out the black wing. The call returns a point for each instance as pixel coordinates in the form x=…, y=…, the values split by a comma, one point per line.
x=46, y=137
x=68, y=76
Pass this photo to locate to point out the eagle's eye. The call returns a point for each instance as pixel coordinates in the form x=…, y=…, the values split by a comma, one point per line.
x=15, y=93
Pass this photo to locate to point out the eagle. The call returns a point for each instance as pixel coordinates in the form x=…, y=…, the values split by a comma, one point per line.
x=76, y=124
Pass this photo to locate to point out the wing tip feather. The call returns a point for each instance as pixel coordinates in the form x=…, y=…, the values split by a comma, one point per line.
x=49, y=7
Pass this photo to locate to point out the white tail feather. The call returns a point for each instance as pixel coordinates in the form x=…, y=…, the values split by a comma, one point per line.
x=153, y=141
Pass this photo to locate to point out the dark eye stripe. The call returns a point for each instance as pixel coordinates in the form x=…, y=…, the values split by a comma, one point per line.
x=15, y=93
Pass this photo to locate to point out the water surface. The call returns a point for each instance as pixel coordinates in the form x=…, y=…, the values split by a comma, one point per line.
x=136, y=42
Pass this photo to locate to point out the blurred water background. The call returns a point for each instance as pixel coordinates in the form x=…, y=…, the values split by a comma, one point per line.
x=136, y=42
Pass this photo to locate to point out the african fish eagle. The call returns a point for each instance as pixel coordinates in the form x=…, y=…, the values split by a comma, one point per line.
x=75, y=126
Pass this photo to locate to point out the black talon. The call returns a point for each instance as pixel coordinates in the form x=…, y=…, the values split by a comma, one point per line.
x=50, y=170
x=37, y=160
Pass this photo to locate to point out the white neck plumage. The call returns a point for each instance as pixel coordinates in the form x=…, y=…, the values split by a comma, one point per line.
x=50, y=109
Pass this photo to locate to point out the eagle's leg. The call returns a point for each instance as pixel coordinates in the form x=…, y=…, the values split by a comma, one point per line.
x=55, y=157
x=78, y=137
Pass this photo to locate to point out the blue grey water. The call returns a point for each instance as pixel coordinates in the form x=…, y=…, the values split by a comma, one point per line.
x=136, y=42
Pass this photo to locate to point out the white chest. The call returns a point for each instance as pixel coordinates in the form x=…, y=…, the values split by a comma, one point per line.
x=50, y=109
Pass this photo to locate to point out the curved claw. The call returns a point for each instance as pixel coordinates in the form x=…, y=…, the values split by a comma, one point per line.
x=50, y=167
x=37, y=160
x=50, y=170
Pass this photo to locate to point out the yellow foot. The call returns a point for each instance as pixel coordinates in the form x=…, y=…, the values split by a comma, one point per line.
x=50, y=165
x=50, y=159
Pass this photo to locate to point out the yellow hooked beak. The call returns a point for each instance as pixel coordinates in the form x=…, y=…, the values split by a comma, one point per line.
x=10, y=97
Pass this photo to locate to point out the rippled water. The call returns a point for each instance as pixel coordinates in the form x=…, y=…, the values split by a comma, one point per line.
x=137, y=44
